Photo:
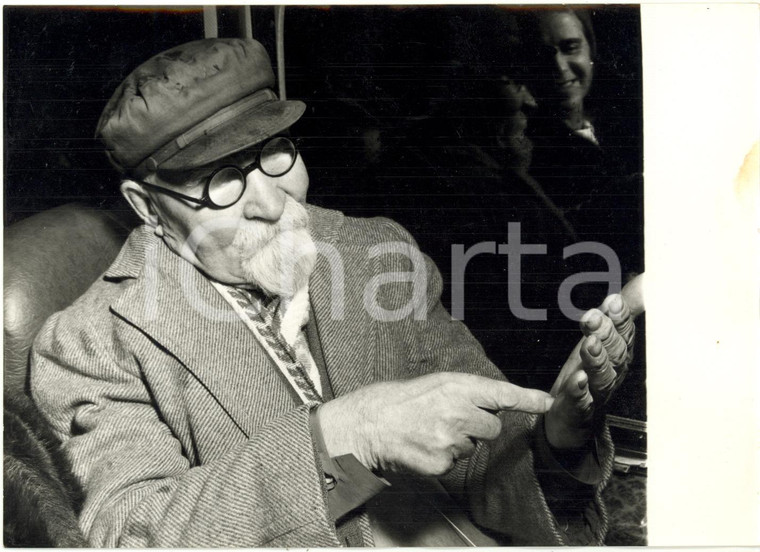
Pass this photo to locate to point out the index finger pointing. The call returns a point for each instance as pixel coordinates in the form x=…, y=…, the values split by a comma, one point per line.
x=502, y=395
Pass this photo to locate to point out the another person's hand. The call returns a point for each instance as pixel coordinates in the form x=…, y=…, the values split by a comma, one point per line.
x=423, y=425
x=605, y=354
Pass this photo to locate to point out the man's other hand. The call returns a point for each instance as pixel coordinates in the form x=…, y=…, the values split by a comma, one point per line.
x=423, y=425
x=605, y=354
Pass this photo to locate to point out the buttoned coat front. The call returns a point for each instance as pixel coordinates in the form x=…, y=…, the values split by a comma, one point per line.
x=184, y=433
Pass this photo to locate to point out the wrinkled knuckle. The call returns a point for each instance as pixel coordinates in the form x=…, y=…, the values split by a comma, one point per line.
x=629, y=334
x=619, y=360
x=605, y=389
x=441, y=438
x=592, y=365
x=617, y=351
x=606, y=329
x=458, y=422
x=509, y=400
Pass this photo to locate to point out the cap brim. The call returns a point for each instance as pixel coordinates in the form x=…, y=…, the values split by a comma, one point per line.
x=246, y=130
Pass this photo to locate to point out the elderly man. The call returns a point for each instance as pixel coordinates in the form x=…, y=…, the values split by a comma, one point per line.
x=249, y=364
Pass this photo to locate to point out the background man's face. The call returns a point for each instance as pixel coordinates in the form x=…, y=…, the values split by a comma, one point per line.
x=221, y=242
x=566, y=61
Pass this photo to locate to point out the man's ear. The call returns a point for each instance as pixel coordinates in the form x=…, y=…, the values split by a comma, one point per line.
x=141, y=203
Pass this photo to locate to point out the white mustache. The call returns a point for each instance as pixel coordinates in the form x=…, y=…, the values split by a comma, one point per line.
x=253, y=238
x=279, y=256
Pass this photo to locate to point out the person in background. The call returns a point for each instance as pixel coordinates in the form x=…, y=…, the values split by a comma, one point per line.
x=559, y=48
x=516, y=145
x=590, y=174
x=583, y=172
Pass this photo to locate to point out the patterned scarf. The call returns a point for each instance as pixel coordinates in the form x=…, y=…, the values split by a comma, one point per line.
x=278, y=327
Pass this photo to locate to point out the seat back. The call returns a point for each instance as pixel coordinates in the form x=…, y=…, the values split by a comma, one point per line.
x=50, y=259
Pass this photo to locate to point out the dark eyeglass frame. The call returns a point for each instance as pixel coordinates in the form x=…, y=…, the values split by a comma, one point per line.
x=205, y=199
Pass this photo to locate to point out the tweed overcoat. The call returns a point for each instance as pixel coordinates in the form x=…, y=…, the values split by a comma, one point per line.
x=183, y=433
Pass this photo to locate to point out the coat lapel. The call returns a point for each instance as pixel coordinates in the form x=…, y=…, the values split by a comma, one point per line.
x=336, y=288
x=178, y=308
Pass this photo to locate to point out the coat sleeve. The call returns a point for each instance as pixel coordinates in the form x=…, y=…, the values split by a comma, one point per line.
x=141, y=490
x=504, y=484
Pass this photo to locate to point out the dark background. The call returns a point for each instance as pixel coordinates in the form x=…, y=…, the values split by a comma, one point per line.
x=363, y=72
x=370, y=76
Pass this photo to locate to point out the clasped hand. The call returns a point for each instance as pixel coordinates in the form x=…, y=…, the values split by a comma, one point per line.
x=424, y=425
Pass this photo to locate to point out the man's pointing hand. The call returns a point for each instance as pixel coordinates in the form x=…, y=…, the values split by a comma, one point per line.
x=423, y=425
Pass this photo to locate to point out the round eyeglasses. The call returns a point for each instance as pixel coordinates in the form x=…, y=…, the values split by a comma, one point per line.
x=226, y=185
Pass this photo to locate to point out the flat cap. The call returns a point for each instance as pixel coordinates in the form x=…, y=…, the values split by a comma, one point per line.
x=194, y=104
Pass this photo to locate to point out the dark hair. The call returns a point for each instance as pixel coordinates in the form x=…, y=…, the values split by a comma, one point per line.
x=584, y=16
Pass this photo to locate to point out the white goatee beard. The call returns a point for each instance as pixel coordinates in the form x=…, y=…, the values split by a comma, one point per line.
x=279, y=257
